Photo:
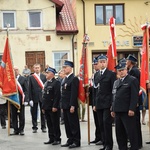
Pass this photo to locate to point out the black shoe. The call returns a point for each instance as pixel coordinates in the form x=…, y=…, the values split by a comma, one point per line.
x=21, y=132
x=56, y=142
x=140, y=147
x=93, y=142
x=99, y=143
x=14, y=133
x=147, y=142
x=3, y=127
x=34, y=131
x=44, y=130
x=49, y=142
x=108, y=148
x=65, y=145
x=74, y=145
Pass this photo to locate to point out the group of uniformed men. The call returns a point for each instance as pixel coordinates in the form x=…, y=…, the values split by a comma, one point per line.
x=113, y=96
x=116, y=95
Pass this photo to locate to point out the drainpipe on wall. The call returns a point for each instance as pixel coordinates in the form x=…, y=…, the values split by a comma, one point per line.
x=83, y=15
x=73, y=51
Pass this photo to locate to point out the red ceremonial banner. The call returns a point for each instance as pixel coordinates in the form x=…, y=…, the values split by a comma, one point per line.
x=7, y=77
x=83, y=73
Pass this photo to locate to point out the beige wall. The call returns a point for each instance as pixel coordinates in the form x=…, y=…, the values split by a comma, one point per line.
x=23, y=39
x=136, y=13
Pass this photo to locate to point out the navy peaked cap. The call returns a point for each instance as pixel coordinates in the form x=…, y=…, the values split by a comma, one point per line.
x=68, y=63
x=102, y=57
x=132, y=58
x=49, y=69
x=122, y=60
x=95, y=60
x=121, y=66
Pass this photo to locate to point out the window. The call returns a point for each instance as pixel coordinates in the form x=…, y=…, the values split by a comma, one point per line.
x=59, y=58
x=8, y=17
x=0, y=59
x=35, y=20
x=104, y=12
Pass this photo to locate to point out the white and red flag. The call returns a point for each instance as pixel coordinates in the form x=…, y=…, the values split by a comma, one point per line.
x=83, y=72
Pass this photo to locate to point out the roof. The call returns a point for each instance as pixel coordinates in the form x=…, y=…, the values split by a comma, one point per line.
x=58, y=3
x=65, y=21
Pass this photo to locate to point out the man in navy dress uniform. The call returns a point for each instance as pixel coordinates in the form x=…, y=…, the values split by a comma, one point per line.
x=69, y=100
x=125, y=99
x=103, y=102
x=134, y=71
x=93, y=91
x=50, y=106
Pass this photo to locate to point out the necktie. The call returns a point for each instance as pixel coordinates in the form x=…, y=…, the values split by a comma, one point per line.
x=101, y=73
x=121, y=80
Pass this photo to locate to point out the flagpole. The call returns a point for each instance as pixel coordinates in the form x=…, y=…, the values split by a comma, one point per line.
x=147, y=47
x=87, y=98
x=86, y=41
x=8, y=25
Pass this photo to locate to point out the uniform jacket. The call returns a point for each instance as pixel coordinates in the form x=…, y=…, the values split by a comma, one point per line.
x=126, y=94
x=104, y=93
x=51, y=95
x=95, y=85
x=35, y=91
x=23, y=82
x=135, y=72
x=69, y=96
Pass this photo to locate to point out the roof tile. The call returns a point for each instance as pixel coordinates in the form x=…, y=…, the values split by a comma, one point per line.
x=66, y=22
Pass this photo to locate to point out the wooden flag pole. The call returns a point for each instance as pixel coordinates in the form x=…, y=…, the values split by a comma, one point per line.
x=88, y=116
x=8, y=25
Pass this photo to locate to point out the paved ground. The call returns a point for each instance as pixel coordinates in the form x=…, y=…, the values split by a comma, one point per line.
x=34, y=141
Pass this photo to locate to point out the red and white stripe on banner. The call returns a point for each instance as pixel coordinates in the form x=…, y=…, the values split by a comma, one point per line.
x=113, y=36
x=21, y=91
x=39, y=81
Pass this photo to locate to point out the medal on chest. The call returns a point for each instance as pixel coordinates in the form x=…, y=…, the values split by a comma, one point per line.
x=65, y=86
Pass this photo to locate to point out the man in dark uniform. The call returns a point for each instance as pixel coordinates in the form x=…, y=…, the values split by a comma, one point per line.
x=96, y=66
x=134, y=71
x=125, y=98
x=103, y=102
x=18, y=116
x=69, y=98
x=36, y=85
x=50, y=106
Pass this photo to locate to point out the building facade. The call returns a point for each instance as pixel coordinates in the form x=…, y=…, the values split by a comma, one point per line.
x=40, y=31
x=93, y=19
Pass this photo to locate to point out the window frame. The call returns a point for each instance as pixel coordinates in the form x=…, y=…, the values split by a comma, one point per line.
x=56, y=52
x=1, y=55
x=114, y=13
x=14, y=12
x=41, y=18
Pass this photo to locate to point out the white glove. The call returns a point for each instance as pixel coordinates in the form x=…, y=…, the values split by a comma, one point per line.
x=31, y=103
x=25, y=103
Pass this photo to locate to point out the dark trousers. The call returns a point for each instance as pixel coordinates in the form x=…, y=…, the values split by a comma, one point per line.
x=53, y=125
x=3, y=114
x=105, y=124
x=72, y=126
x=97, y=128
x=138, y=124
x=34, y=110
x=18, y=118
x=126, y=128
